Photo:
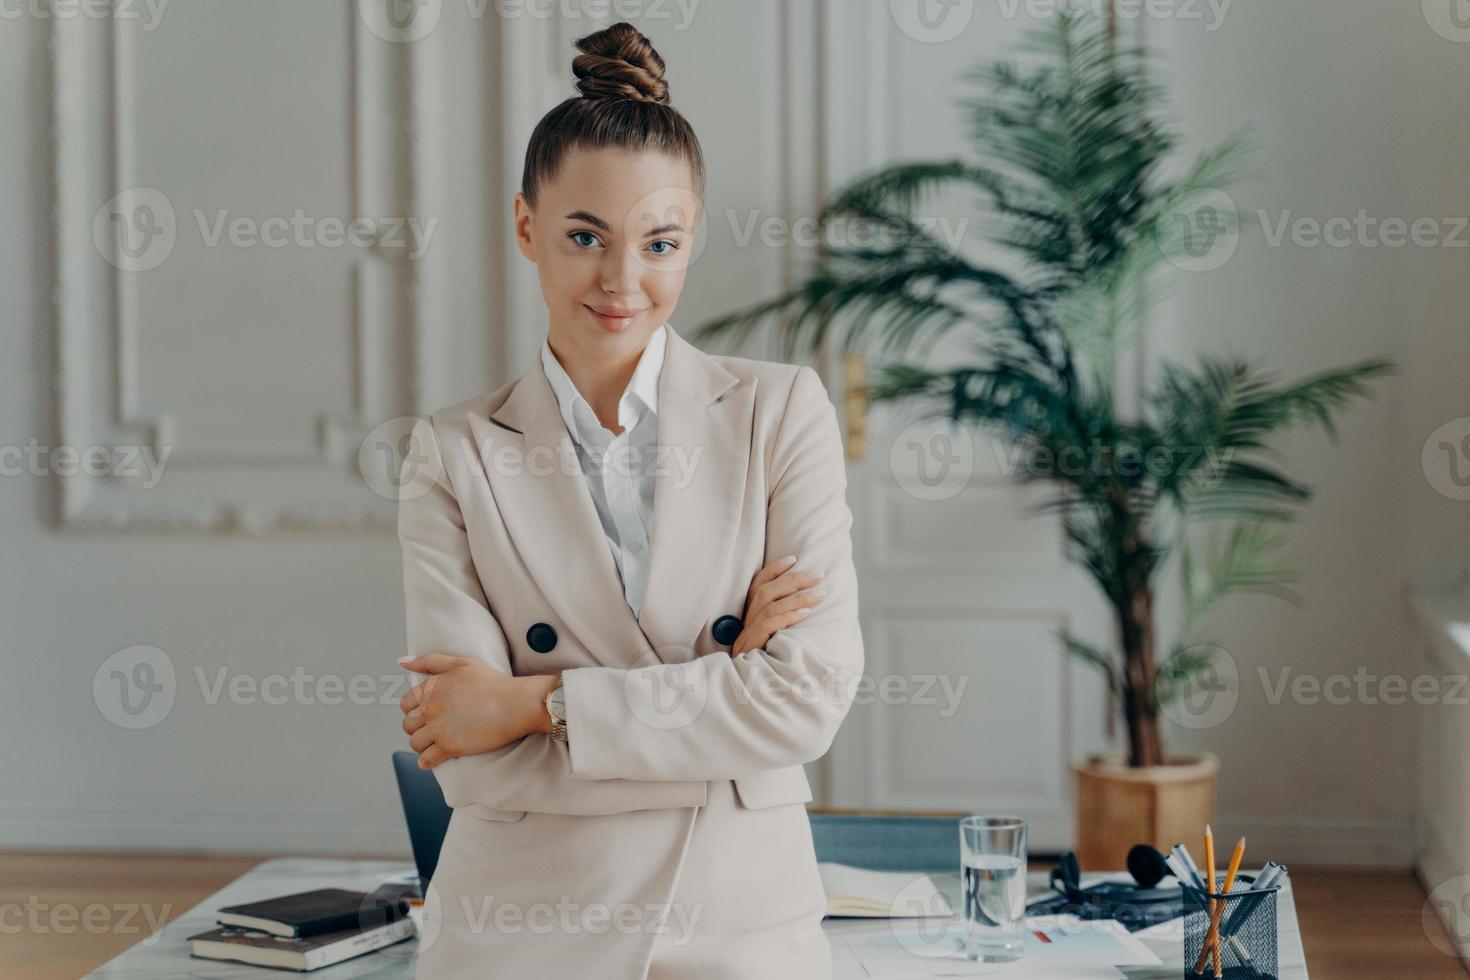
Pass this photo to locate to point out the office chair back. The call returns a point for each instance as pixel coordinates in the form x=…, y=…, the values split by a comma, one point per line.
x=882, y=842
x=424, y=809
x=888, y=842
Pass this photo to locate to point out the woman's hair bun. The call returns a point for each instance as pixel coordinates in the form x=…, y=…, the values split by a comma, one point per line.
x=618, y=62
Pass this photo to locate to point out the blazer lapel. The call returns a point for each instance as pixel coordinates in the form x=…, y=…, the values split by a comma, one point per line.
x=542, y=495
x=704, y=436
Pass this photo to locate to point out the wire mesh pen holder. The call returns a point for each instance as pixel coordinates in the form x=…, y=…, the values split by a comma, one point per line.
x=1247, y=931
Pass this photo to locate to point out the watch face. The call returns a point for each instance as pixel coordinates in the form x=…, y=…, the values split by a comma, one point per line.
x=556, y=704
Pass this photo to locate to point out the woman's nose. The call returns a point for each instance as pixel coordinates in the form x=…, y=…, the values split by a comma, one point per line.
x=620, y=273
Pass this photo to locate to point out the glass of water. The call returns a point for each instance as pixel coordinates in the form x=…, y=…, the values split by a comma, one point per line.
x=993, y=869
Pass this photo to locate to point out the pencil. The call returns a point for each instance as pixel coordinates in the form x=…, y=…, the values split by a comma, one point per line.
x=1210, y=890
x=1212, y=939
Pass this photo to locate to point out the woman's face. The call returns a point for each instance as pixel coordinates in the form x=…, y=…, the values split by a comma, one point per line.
x=611, y=234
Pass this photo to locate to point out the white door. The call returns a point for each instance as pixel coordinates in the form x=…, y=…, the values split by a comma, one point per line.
x=970, y=704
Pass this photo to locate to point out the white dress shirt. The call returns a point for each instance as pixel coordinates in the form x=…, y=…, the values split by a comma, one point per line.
x=619, y=468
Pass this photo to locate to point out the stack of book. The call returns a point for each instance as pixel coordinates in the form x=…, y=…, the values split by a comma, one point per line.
x=305, y=931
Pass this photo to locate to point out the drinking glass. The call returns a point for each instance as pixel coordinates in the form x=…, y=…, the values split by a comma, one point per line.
x=993, y=870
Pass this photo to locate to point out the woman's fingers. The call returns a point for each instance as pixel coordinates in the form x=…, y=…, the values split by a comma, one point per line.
x=431, y=757
x=775, y=616
x=416, y=695
x=791, y=609
x=432, y=663
x=771, y=569
x=420, y=740
x=778, y=590
x=779, y=621
x=764, y=592
x=778, y=582
x=785, y=585
x=767, y=574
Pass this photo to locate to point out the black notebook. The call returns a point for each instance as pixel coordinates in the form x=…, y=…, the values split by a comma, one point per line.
x=313, y=913
x=302, y=955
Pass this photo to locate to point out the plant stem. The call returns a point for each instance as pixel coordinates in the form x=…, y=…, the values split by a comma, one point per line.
x=1136, y=624
x=1134, y=601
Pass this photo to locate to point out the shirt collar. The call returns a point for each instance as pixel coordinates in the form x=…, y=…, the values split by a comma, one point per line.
x=642, y=387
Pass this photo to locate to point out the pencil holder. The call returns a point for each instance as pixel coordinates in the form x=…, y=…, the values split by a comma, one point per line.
x=1246, y=926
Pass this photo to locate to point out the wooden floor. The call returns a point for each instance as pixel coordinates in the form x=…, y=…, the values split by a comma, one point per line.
x=64, y=915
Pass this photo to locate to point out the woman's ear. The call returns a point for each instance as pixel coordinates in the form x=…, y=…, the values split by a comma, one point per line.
x=525, y=238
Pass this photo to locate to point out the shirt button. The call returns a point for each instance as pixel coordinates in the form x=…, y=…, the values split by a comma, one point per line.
x=635, y=547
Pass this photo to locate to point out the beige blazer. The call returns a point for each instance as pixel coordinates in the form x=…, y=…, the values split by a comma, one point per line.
x=500, y=536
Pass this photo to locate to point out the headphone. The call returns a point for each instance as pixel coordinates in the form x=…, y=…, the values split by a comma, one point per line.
x=1135, y=906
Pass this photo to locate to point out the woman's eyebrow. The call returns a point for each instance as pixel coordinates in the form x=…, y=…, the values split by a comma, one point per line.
x=594, y=220
x=590, y=218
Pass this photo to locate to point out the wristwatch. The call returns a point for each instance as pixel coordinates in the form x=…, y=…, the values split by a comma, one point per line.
x=556, y=706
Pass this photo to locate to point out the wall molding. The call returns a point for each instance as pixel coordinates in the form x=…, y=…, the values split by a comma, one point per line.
x=95, y=320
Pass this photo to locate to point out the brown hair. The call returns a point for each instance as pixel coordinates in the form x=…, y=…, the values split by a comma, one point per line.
x=624, y=105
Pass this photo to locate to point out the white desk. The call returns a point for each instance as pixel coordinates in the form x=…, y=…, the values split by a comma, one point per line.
x=1291, y=960
x=165, y=955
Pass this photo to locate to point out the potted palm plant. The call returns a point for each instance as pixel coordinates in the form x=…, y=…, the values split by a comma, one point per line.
x=1072, y=155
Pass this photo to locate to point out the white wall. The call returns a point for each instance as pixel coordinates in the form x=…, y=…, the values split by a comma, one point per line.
x=1358, y=105
x=1354, y=106
x=238, y=774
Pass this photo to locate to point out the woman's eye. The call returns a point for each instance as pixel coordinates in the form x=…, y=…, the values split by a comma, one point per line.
x=574, y=237
x=672, y=246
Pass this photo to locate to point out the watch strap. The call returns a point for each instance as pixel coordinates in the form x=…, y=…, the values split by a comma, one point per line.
x=558, y=727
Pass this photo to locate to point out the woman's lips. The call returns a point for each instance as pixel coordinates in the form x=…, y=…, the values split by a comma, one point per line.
x=622, y=322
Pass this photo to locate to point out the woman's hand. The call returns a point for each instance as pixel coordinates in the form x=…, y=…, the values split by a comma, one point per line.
x=467, y=707
x=775, y=602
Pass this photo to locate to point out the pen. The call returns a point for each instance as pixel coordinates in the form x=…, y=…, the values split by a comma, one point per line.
x=1180, y=871
x=1270, y=875
x=1182, y=853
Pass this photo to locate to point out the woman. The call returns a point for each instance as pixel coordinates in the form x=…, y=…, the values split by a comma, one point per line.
x=621, y=677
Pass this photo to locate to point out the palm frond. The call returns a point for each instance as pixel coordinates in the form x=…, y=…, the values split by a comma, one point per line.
x=1227, y=409
x=1093, y=656
x=901, y=187
x=1241, y=562
x=1316, y=398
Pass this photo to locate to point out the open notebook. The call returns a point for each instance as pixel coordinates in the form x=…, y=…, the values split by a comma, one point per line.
x=881, y=894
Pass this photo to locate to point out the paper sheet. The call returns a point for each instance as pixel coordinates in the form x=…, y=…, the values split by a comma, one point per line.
x=1071, y=948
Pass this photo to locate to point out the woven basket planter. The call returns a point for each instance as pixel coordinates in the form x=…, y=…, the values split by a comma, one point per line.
x=1118, y=807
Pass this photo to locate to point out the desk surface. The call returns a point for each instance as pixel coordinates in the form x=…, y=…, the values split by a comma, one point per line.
x=166, y=954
